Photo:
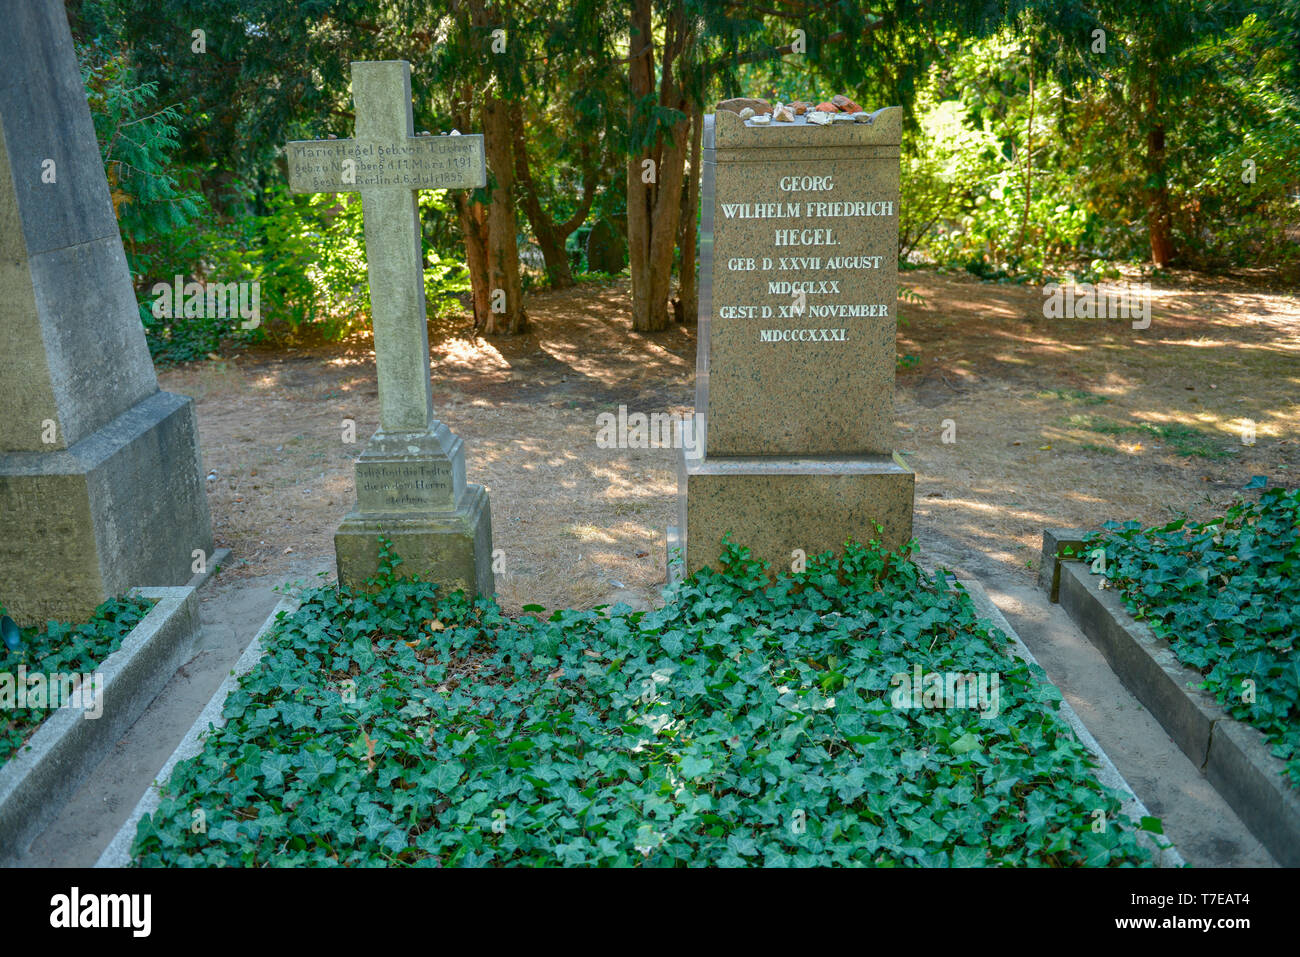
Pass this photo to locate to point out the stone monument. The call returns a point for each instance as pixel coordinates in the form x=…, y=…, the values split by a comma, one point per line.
x=100, y=487
x=796, y=350
x=411, y=484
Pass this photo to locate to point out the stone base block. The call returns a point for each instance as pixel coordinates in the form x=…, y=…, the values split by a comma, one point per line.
x=452, y=548
x=411, y=473
x=122, y=508
x=774, y=506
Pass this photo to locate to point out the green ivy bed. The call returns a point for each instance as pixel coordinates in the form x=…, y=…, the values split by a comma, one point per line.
x=1226, y=596
x=63, y=648
x=745, y=723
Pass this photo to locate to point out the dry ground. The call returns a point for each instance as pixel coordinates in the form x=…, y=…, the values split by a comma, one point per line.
x=1057, y=423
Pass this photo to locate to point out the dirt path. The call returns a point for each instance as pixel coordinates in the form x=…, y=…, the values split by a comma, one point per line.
x=1057, y=422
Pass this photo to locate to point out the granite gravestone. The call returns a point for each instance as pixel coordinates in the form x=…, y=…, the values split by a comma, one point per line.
x=411, y=484
x=796, y=349
x=100, y=487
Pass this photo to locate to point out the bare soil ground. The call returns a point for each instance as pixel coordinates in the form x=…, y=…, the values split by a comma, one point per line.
x=1057, y=422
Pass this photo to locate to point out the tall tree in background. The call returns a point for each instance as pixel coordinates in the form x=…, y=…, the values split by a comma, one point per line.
x=660, y=110
x=568, y=128
x=1158, y=73
x=482, y=53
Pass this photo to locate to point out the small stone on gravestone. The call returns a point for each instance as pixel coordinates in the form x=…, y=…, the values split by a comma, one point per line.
x=738, y=103
x=410, y=478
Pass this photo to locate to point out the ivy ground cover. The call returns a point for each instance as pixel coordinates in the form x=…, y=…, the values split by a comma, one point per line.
x=1226, y=596
x=48, y=660
x=748, y=722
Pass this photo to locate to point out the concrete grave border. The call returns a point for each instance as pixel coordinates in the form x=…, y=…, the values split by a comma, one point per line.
x=1163, y=851
x=118, y=851
x=38, y=781
x=1233, y=756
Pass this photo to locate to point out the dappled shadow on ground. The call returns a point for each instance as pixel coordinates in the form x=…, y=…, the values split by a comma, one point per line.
x=1056, y=422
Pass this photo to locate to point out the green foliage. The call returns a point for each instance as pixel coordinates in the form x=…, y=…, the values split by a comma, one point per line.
x=965, y=171
x=64, y=648
x=1219, y=106
x=1182, y=440
x=745, y=723
x=138, y=139
x=1226, y=596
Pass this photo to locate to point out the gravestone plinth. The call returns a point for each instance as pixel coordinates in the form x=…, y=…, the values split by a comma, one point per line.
x=411, y=489
x=100, y=488
x=411, y=486
x=796, y=349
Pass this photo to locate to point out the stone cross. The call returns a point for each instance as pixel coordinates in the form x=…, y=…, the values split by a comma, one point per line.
x=386, y=163
x=411, y=476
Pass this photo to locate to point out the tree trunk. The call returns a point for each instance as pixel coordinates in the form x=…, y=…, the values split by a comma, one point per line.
x=687, y=288
x=654, y=207
x=473, y=226
x=505, y=293
x=640, y=84
x=1159, y=222
x=503, y=313
x=472, y=216
x=550, y=235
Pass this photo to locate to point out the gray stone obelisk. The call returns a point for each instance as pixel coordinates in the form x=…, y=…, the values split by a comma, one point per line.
x=100, y=489
x=411, y=484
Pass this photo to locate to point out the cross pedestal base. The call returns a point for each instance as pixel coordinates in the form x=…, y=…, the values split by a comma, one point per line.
x=452, y=547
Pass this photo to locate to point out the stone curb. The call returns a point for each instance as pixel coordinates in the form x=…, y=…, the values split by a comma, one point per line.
x=214, y=564
x=1165, y=854
x=38, y=781
x=1231, y=754
x=1049, y=568
x=118, y=851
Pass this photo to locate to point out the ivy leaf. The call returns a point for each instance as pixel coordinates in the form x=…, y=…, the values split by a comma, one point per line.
x=693, y=767
x=967, y=742
x=274, y=768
